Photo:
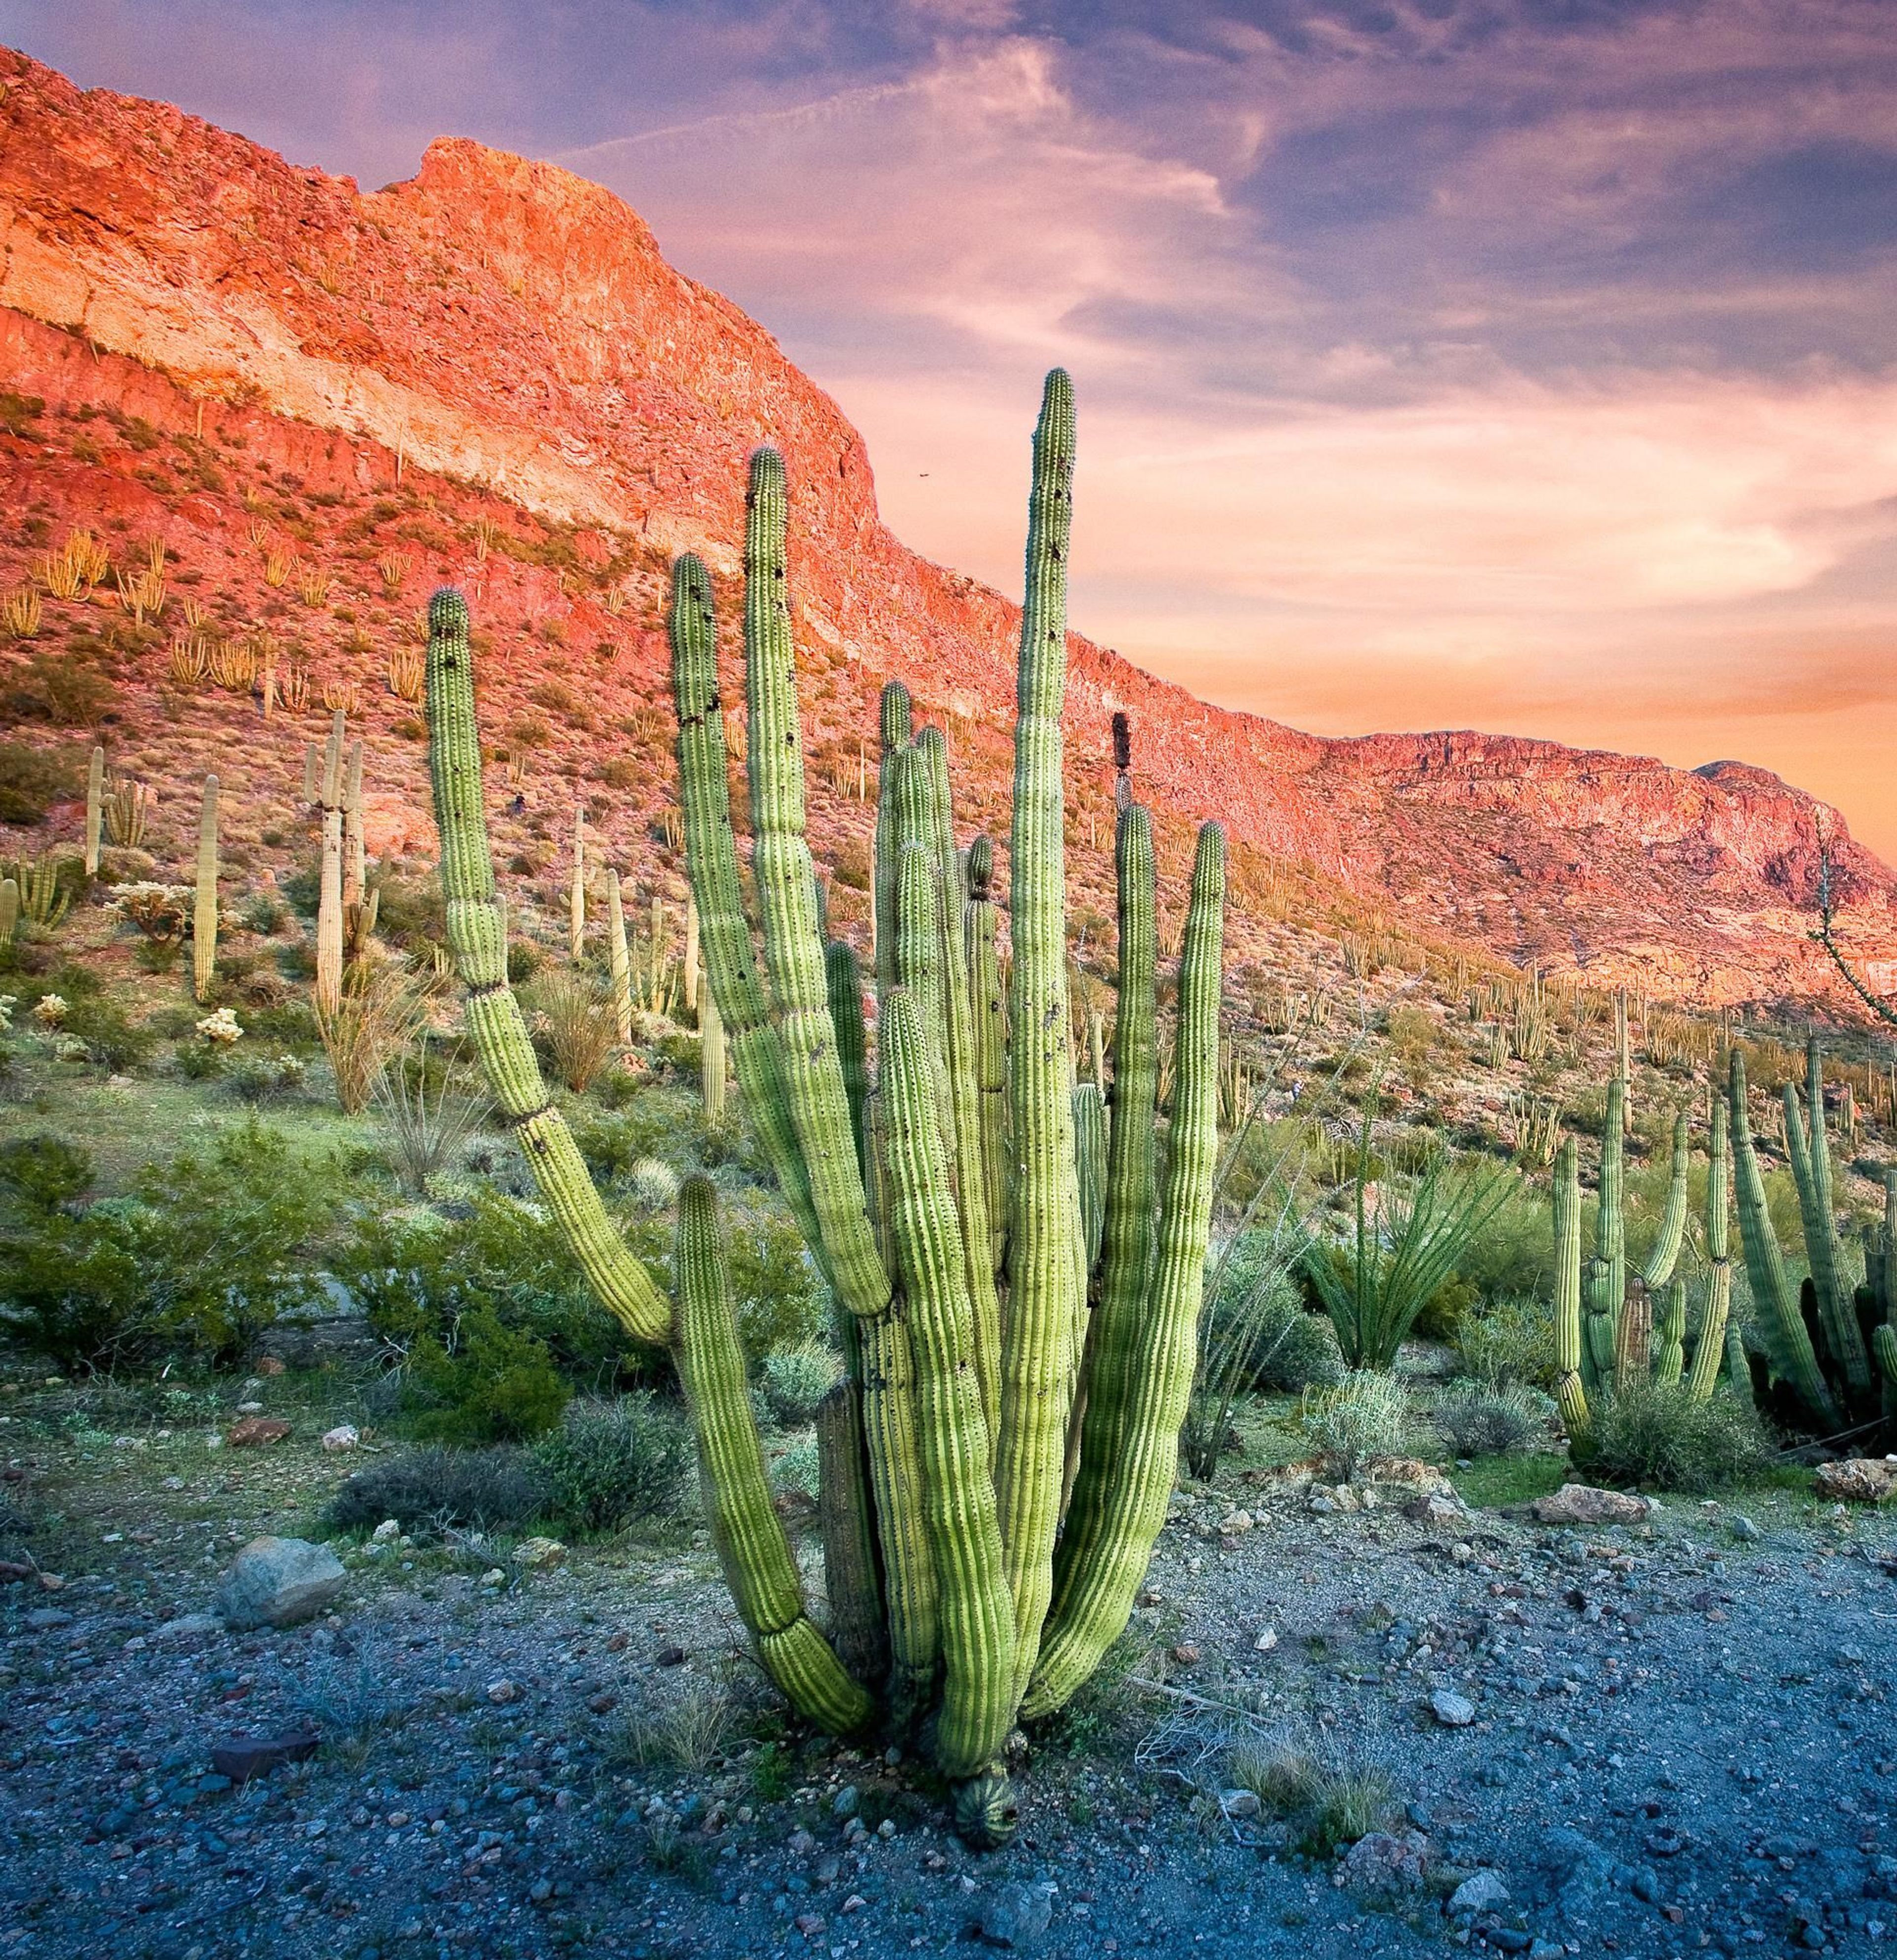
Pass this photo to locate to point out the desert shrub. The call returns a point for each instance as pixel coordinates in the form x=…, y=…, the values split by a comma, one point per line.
x=793, y=1380
x=1511, y=1339
x=266, y=1078
x=794, y=1470
x=780, y=1301
x=523, y=961
x=612, y=1145
x=426, y=1490
x=60, y=688
x=263, y=915
x=573, y=1025
x=417, y=1277
x=614, y=1464
x=1512, y=1256
x=198, y=1062
x=1366, y=1416
x=485, y=1382
x=206, y=1252
x=112, y=1037
x=32, y=780
x=1486, y=1418
x=411, y=911
x=45, y=1173
x=1661, y=1438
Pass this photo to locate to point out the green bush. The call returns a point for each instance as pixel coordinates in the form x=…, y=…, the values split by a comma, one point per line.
x=1366, y=1416
x=780, y=1300
x=1488, y=1418
x=58, y=688
x=198, y=1060
x=1659, y=1438
x=45, y=1173
x=204, y=1253
x=793, y=1380
x=32, y=780
x=428, y=1490
x=614, y=1464
x=1512, y=1339
x=485, y=1383
x=112, y=1037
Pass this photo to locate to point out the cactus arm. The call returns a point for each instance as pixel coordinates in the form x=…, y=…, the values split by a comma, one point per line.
x=843, y=980
x=896, y=1481
x=1719, y=1286
x=990, y=1008
x=500, y=1036
x=1883, y=1339
x=787, y=905
x=203, y=917
x=958, y=1503
x=711, y=1058
x=758, y=1565
x=1037, y=1354
x=711, y=854
x=1738, y=1368
x=960, y=1054
x=328, y=979
x=1787, y=1338
x=1090, y=1165
x=95, y=809
x=1610, y=1236
x=1119, y=1506
x=1658, y=1268
x=894, y=718
x=1669, y=1335
x=853, y=1578
x=1569, y=1392
x=1633, y=1336
x=1838, y=1314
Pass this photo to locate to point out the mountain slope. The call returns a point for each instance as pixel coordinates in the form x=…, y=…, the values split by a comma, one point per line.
x=491, y=370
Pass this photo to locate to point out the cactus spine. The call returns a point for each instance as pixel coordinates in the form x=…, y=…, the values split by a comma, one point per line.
x=95, y=810
x=204, y=911
x=941, y=1492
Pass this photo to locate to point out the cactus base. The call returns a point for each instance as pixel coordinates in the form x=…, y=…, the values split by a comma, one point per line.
x=987, y=1813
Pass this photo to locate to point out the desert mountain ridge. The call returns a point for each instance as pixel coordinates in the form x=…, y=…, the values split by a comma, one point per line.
x=490, y=373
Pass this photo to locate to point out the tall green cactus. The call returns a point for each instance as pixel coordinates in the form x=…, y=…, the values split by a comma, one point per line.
x=95, y=810
x=1570, y=1391
x=1719, y=1285
x=204, y=911
x=1809, y=1150
x=925, y=1192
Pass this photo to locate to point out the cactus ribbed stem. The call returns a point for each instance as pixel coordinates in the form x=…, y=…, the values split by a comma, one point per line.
x=1569, y=1392
x=1738, y=1368
x=758, y=1564
x=1634, y=1337
x=1038, y=1354
x=355, y=863
x=204, y=911
x=852, y=1582
x=1719, y=1285
x=577, y=891
x=958, y=1505
x=843, y=978
x=1837, y=1314
x=619, y=956
x=329, y=981
x=1610, y=1231
x=9, y=909
x=1658, y=1267
x=731, y=963
x=690, y=967
x=895, y=1475
x=894, y=718
x=1119, y=1505
x=711, y=1058
x=787, y=905
x=493, y=1020
x=1787, y=1339
x=990, y=1010
x=1669, y=1335
x=95, y=810
x=310, y=766
x=1090, y=1165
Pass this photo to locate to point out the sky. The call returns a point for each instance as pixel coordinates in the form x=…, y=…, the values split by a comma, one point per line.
x=1528, y=365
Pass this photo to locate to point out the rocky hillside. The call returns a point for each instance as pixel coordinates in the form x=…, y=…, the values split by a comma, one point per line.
x=311, y=403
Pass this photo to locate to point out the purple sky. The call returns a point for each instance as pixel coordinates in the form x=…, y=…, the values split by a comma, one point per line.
x=1527, y=366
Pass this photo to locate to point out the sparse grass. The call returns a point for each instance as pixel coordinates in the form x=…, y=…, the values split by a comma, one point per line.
x=687, y=1734
x=1328, y=1804
x=1491, y=1482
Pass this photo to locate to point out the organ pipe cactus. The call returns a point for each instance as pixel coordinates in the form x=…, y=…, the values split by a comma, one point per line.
x=947, y=1181
x=95, y=810
x=1570, y=1390
x=1719, y=1283
x=204, y=914
x=1809, y=1150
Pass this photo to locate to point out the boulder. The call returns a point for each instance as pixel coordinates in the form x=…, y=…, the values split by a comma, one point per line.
x=535, y=1553
x=1385, y=1865
x=1017, y=1916
x=277, y=1582
x=1582, y=1504
x=1858, y=1480
x=1481, y=1891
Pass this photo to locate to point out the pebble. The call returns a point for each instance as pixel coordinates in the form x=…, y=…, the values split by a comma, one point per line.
x=502, y=1691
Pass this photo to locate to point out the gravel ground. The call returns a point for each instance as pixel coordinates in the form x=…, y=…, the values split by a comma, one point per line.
x=1677, y=1740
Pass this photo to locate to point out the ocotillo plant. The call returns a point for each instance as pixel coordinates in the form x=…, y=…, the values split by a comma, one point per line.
x=959, y=1415
x=95, y=810
x=204, y=911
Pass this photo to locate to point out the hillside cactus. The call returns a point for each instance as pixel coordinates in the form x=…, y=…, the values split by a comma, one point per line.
x=204, y=911
x=939, y=1191
x=95, y=810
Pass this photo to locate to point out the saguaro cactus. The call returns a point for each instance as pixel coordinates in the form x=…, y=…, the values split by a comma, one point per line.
x=95, y=810
x=204, y=911
x=1570, y=1391
x=1719, y=1283
x=942, y=1454
x=1809, y=1150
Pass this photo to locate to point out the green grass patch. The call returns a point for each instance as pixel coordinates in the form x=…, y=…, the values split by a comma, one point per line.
x=1517, y=1478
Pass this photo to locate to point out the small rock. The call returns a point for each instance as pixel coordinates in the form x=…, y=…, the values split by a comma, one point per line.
x=387, y=1532
x=848, y=1801
x=344, y=1436
x=538, y=1553
x=1017, y=1916
x=1186, y=1654
x=604, y=1703
x=1382, y=1864
x=254, y=1431
x=1745, y=1531
x=279, y=1582
x=1582, y=1504
x=244, y=1757
x=801, y=1844
x=188, y=1623
x=1438, y=1508
x=669, y=1657
x=1267, y=1639
x=1236, y=1523
x=1451, y=1709
x=810, y=1924
x=502, y=1691
x=269, y=1364
x=250, y=1409
x=43, y=1619
x=1480, y=1892
x=494, y=1577
x=1859, y=1480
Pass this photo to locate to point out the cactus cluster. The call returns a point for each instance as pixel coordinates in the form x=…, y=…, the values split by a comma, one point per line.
x=1017, y=1298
